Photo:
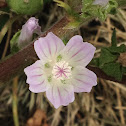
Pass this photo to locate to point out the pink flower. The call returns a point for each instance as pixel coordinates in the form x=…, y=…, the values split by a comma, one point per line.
x=61, y=69
x=30, y=27
x=101, y=2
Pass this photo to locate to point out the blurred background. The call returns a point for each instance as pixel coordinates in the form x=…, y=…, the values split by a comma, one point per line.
x=105, y=105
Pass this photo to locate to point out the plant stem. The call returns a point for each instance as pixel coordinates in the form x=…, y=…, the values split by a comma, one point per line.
x=15, y=102
x=7, y=42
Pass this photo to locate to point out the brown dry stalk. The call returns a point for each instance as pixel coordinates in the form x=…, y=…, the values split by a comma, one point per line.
x=121, y=113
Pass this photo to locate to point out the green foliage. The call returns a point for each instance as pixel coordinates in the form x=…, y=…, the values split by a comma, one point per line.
x=74, y=17
x=113, y=39
x=14, y=43
x=68, y=8
x=64, y=5
x=106, y=57
x=47, y=1
x=26, y=7
x=114, y=70
x=89, y=10
x=120, y=49
x=124, y=70
x=109, y=57
x=86, y=4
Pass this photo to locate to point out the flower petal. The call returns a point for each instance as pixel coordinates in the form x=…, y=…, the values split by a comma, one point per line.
x=78, y=52
x=77, y=39
x=35, y=77
x=83, y=79
x=38, y=88
x=34, y=69
x=60, y=95
x=49, y=46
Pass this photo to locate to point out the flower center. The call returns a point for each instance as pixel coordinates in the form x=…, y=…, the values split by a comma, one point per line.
x=61, y=71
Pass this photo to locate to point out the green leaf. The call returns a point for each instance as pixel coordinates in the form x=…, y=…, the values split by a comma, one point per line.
x=120, y=49
x=124, y=70
x=86, y=4
x=106, y=57
x=88, y=9
x=113, y=39
x=113, y=70
x=95, y=61
x=14, y=42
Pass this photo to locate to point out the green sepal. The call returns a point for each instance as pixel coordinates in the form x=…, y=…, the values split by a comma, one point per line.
x=65, y=40
x=14, y=42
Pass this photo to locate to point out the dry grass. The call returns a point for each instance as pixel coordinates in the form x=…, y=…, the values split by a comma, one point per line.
x=104, y=106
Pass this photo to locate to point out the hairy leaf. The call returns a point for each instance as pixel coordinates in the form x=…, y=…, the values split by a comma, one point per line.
x=106, y=57
x=113, y=70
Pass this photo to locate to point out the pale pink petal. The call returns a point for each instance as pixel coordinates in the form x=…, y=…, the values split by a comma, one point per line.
x=38, y=88
x=60, y=95
x=78, y=52
x=34, y=69
x=35, y=80
x=83, y=79
x=35, y=77
x=49, y=46
x=77, y=39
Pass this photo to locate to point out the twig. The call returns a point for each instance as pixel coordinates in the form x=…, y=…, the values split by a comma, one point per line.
x=15, y=102
x=120, y=105
x=7, y=42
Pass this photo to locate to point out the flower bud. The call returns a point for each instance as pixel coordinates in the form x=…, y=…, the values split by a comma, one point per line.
x=101, y=2
x=26, y=35
x=27, y=7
